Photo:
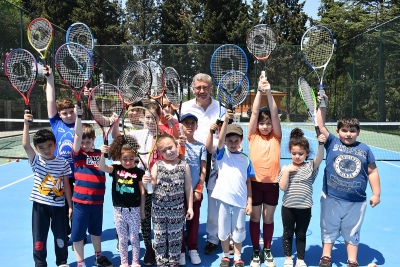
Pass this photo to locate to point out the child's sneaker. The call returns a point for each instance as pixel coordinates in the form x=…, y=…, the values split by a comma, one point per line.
x=225, y=262
x=231, y=249
x=268, y=258
x=102, y=261
x=288, y=263
x=182, y=259
x=210, y=248
x=325, y=261
x=238, y=263
x=300, y=263
x=149, y=258
x=255, y=258
x=352, y=264
x=194, y=257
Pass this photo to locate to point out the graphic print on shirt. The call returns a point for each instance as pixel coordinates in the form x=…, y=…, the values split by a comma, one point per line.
x=126, y=181
x=93, y=160
x=65, y=145
x=52, y=187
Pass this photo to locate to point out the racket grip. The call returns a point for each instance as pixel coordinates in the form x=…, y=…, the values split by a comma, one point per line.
x=263, y=74
x=182, y=149
x=45, y=65
x=149, y=186
x=80, y=106
x=321, y=95
x=318, y=134
x=230, y=108
x=106, y=154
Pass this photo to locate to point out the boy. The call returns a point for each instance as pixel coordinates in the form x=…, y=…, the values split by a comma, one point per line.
x=49, y=192
x=349, y=166
x=196, y=158
x=88, y=195
x=233, y=190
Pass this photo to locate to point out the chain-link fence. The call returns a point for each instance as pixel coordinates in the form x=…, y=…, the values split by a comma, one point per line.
x=361, y=79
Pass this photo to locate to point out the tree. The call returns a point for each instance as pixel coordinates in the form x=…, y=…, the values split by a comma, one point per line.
x=256, y=12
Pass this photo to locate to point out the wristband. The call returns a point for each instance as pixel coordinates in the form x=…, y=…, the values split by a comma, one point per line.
x=199, y=188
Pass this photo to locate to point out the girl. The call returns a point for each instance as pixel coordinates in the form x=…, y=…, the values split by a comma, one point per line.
x=128, y=196
x=296, y=181
x=171, y=180
x=167, y=122
x=264, y=134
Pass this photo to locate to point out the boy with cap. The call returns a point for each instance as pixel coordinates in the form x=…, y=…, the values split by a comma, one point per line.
x=196, y=158
x=233, y=190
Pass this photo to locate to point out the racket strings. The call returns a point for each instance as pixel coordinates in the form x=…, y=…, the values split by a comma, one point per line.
x=227, y=58
x=156, y=70
x=106, y=102
x=318, y=47
x=236, y=87
x=172, y=87
x=135, y=81
x=80, y=33
x=40, y=33
x=261, y=41
x=21, y=69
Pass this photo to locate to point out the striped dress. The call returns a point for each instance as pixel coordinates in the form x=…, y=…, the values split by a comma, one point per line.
x=168, y=213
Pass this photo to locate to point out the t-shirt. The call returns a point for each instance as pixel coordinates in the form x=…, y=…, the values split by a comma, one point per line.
x=125, y=189
x=299, y=192
x=265, y=153
x=195, y=153
x=64, y=134
x=234, y=170
x=346, y=171
x=48, y=180
x=165, y=127
x=205, y=118
x=145, y=139
x=90, y=181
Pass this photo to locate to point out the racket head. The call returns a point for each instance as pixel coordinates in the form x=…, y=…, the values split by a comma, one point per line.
x=317, y=45
x=173, y=89
x=156, y=90
x=233, y=90
x=75, y=66
x=307, y=95
x=261, y=40
x=106, y=101
x=80, y=33
x=21, y=69
x=40, y=35
x=227, y=58
x=135, y=81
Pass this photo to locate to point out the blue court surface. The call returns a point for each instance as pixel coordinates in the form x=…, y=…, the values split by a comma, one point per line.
x=379, y=235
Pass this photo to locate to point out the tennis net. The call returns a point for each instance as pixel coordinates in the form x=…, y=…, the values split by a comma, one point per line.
x=383, y=138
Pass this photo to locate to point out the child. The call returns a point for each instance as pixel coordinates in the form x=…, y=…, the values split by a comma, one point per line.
x=196, y=158
x=49, y=192
x=296, y=180
x=88, y=195
x=167, y=122
x=128, y=196
x=212, y=209
x=264, y=134
x=350, y=165
x=171, y=181
x=233, y=190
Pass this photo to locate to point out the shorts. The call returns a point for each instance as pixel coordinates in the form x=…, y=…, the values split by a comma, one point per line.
x=231, y=222
x=341, y=218
x=265, y=193
x=86, y=217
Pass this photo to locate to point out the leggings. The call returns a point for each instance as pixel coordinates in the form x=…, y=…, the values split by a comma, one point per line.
x=127, y=222
x=146, y=223
x=295, y=221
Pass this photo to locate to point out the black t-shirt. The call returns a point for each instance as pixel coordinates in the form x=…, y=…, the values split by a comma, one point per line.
x=125, y=186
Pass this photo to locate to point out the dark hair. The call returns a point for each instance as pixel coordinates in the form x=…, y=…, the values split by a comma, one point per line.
x=348, y=121
x=264, y=114
x=163, y=135
x=233, y=134
x=88, y=131
x=64, y=103
x=119, y=144
x=154, y=106
x=43, y=136
x=131, y=105
x=297, y=139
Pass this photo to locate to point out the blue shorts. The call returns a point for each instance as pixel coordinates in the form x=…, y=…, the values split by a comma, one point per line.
x=86, y=217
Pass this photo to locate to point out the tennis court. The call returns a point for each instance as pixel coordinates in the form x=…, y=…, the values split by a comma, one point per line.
x=379, y=232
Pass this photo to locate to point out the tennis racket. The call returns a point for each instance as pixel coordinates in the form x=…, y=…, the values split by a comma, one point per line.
x=141, y=130
x=75, y=69
x=225, y=59
x=317, y=45
x=106, y=104
x=40, y=36
x=261, y=41
x=307, y=95
x=135, y=81
x=21, y=70
x=80, y=33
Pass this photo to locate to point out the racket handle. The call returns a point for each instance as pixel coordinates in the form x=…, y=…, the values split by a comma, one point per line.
x=28, y=108
x=318, y=134
x=106, y=154
x=321, y=95
x=80, y=116
x=230, y=108
x=149, y=186
x=263, y=74
x=182, y=149
x=169, y=123
x=45, y=65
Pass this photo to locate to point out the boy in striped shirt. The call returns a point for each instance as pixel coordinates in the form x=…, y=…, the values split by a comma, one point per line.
x=50, y=189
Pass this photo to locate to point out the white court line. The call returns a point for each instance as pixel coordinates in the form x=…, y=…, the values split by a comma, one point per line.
x=397, y=166
x=20, y=180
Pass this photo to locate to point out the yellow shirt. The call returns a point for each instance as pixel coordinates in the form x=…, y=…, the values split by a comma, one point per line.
x=265, y=154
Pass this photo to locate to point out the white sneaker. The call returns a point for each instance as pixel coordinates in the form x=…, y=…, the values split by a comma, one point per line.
x=194, y=257
x=182, y=259
x=301, y=263
x=288, y=263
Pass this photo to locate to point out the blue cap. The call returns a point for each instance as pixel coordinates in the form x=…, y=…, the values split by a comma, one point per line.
x=188, y=115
